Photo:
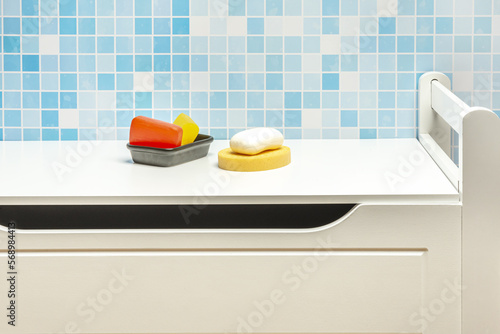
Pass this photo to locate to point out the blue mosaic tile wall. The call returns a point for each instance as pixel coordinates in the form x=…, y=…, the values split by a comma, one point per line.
x=79, y=70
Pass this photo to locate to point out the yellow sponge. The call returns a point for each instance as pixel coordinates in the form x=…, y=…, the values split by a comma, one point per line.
x=189, y=128
x=266, y=160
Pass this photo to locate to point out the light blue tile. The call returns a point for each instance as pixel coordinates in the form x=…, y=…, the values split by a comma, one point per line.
x=274, y=7
x=406, y=25
x=180, y=7
x=482, y=43
x=274, y=118
x=294, y=7
x=274, y=44
x=425, y=25
x=330, y=7
x=425, y=7
x=406, y=100
x=406, y=118
x=218, y=81
x=406, y=7
x=312, y=26
x=330, y=100
x=444, y=25
x=255, y=63
x=313, y=8
x=463, y=25
x=218, y=44
x=482, y=7
x=12, y=7
x=311, y=100
x=143, y=7
x=349, y=118
x=312, y=81
x=368, y=81
x=236, y=44
x=368, y=133
x=444, y=7
x=482, y=25
x=255, y=8
x=312, y=44
x=162, y=8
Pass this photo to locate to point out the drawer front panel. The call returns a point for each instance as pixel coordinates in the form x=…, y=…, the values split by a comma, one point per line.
x=219, y=292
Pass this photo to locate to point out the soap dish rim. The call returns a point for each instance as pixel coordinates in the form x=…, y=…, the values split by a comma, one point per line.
x=207, y=140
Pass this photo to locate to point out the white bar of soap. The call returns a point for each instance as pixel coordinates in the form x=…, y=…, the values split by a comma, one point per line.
x=256, y=140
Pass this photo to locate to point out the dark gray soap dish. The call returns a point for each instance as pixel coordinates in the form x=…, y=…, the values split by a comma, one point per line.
x=168, y=157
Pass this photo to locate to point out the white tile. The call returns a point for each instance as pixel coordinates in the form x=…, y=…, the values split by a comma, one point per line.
x=311, y=118
x=292, y=26
x=274, y=26
x=349, y=81
x=68, y=118
x=237, y=26
x=330, y=44
x=199, y=26
x=200, y=81
x=144, y=81
x=218, y=26
x=387, y=7
x=349, y=26
x=463, y=81
x=86, y=100
x=219, y=8
x=311, y=63
x=495, y=22
x=49, y=44
x=349, y=133
x=106, y=100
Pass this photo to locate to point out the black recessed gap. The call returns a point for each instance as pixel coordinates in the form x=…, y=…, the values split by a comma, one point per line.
x=261, y=216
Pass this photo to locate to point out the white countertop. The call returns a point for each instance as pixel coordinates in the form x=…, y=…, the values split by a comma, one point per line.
x=322, y=171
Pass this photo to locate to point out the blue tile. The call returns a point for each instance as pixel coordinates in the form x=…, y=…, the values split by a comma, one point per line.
x=218, y=100
x=180, y=44
x=312, y=26
x=482, y=25
x=406, y=100
x=368, y=133
x=180, y=26
x=387, y=62
x=143, y=44
x=444, y=25
x=12, y=134
x=50, y=134
x=106, y=8
x=30, y=7
x=68, y=81
x=143, y=100
x=386, y=100
x=425, y=43
x=86, y=63
x=105, y=45
x=50, y=118
x=236, y=8
x=274, y=81
x=180, y=63
x=11, y=7
x=236, y=100
x=255, y=8
x=293, y=63
x=162, y=63
x=274, y=118
x=31, y=81
x=12, y=118
x=482, y=7
x=86, y=8
x=368, y=44
x=255, y=100
x=387, y=25
x=162, y=44
x=237, y=81
x=406, y=7
x=12, y=25
x=312, y=44
x=330, y=26
x=86, y=26
x=386, y=118
x=31, y=134
x=425, y=25
x=274, y=63
x=218, y=63
x=348, y=118
x=349, y=8
x=67, y=63
x=86, y=44
x=218, y=81
x=162, y=26
x=30, y=26
x=444, y=44
x=293, y=100
x=180, y=7
x=143, y=63
x=69, y=134
x=143, y=7
x=311, y=100
x=274, y=44
x=255, y=26
x=386, y=81
x=255, y=44
x=31, y=63
x=293, y=7
x=106, y=81
x=293, y=118
x=406, y=44
x=386, y=44
x=293, y=44
x=406, y=81
x=330, y=81
x=50, y=100
x=67, y=44
x=87, y=81
x=274, y=7
x=11, y=44
x=143, y=26
x=68, y=100
x=67, y=26
x=330, y=63
x=425, y=7
x=463, y=44
x=330, y=7
x=482, y=43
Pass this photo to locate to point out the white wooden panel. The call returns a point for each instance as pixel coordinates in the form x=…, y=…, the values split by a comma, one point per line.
x=227, y=293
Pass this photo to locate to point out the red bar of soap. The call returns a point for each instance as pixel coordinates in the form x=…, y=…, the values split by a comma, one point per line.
x=145, y=131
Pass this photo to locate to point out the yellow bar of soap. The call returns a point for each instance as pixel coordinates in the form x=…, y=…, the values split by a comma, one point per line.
x=189, y=128
x=272, y=159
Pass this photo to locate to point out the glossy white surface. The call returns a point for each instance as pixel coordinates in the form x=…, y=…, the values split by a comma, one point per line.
x=331, y=171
